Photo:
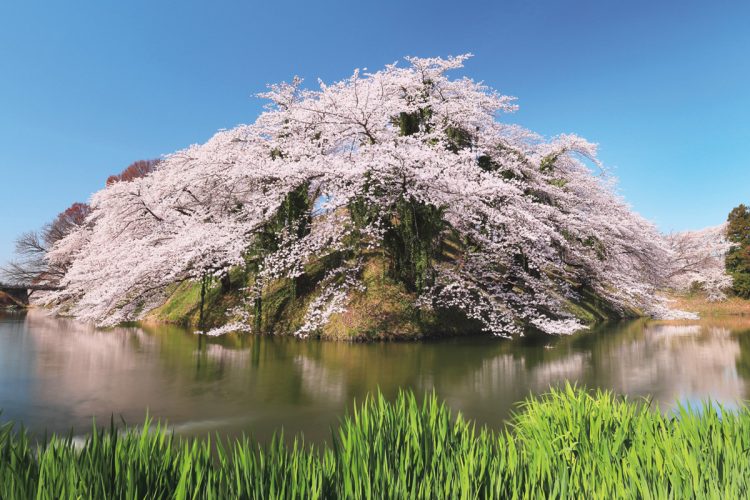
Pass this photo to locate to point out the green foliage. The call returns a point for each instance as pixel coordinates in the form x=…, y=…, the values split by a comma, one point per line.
x=566, y=444
x=738, y=257
x=741, y=283
x=283, y=303
x=458, y=139
x=547, y=164
x=293, y=216
x=410, y=123
x=413, y=241
x=487, y=164
x=413, y=229
x=738, y=225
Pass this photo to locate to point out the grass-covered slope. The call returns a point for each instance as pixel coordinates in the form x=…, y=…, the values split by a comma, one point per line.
x=567, y=444
x=383, y=307
x=699, y=303
x=384, y=310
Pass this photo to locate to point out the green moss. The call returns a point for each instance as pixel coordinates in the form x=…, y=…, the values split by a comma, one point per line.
x=282, y=311
x=386, y=310
x=182, y=303
x=591, y=309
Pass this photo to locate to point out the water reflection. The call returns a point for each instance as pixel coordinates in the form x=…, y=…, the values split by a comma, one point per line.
x=58, y=374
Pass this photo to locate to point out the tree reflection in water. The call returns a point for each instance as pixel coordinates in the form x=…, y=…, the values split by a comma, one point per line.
x=58, y=374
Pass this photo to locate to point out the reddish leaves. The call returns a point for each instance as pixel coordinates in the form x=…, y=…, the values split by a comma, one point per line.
x=135, y=170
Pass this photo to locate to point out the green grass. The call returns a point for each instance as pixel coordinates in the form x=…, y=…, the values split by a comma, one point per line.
x=566, y=444
x=181, y=305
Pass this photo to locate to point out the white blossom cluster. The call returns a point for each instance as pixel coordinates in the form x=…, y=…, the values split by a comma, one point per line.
x=698, y=259
x=539, y=220
x=337, y=284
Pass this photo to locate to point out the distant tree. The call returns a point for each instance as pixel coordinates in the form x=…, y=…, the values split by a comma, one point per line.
x=67, y=220
x=135, y=170
x=738, y=257
x=31, y=264
x=697, y=262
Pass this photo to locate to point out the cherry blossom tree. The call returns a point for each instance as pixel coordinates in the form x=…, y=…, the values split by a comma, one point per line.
x=697, y=260
x=404, y=162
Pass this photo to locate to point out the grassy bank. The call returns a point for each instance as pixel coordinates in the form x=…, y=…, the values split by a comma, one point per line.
x=383, y=309
x=565, y=444
x=732, y=306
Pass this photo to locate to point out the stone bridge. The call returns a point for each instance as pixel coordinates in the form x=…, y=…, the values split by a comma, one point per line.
x=20, y=294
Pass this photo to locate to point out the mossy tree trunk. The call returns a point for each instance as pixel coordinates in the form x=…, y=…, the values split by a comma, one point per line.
x=293, y=218
x=201, y=313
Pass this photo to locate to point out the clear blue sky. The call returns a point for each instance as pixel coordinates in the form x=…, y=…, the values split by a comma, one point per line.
x=88, y=87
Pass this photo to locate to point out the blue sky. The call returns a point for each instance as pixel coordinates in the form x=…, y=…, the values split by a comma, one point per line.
x=88, y=87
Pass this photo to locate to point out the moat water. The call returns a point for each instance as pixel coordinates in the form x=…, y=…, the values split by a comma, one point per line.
x=59, y=375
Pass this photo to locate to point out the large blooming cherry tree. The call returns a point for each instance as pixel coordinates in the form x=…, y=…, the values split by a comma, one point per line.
x=531, y=222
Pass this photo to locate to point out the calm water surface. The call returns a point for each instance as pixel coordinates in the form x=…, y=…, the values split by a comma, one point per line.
x=58, y=374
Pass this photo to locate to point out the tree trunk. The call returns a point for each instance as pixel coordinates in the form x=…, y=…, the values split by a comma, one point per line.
x=258, y=314
x=201, y=316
